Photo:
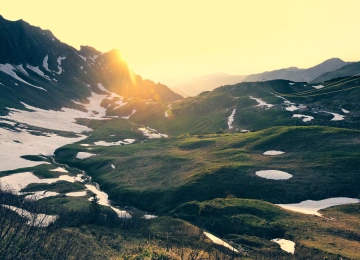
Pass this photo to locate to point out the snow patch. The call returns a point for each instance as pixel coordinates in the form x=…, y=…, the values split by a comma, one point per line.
x=102, y=88
x=83, y=155
x=151, y=133
x=127, y=117
x=17, y=181
x=59, y=169
x=45, y=63
x=59, y=64
x=345, y=111
x=318, y=87
x=147, y=216
x=292, y=108
x=231, y=119
x=113, y=166
x=103, y=200
x=273, y=175
x=37, y=71
x=273, y=152
x=286, y=245
x=28, y=144
x=220, y=242
x=37, y=220
x=21, y=69
x=38, y=195
x=306, y=118
x=313, y=206
x=9, y=69
x=76, y=194
x=261, y=102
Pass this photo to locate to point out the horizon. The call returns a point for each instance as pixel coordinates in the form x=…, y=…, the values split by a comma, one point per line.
x=159, y=44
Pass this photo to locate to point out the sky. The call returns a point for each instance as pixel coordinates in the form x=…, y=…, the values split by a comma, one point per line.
x=173, y=41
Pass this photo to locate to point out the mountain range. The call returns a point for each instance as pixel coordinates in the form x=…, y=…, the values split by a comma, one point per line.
x=33, y=63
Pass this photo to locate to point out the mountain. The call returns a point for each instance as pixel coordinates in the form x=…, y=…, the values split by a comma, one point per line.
x=35, y=65
x=299, y=75
x=207, y=83
x=345, y=71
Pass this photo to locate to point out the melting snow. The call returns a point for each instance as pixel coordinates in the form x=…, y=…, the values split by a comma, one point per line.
x=64, y=120
x=59, y=169
x=146, y=216
x=120, y=103
x=273, y=175
x=313, y=206
x=220, y=242
x=21, y=69
x=84, y=58
x=104, y=143
x=59, y=64
x=38, y=220
x=292, y=108
x=286, y=245
x=101, y=87
x=261, y=102
x=151, y=133
x=231, y=119
x=337, y=117
x=127, y=117
x=17, y=181
x=9, y=69
x=45, y=63
x=38, y=71
x=83, y=155
x=306, y=118
x=28, y=144
x=272, y=152
x=103, y=200
x=38, y=195
x=76, y=194
x=318, y=87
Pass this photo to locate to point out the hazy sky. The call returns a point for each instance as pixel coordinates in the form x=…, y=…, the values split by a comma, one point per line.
x=168, y=41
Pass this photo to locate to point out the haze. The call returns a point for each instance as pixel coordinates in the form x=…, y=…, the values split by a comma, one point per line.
x=171, y=42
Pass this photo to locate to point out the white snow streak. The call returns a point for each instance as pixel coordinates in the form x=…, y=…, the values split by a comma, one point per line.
x=231, y=119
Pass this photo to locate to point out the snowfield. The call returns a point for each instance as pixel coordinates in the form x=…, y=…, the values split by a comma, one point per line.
x=273, y=175
x=313, y=206
x=286, y=245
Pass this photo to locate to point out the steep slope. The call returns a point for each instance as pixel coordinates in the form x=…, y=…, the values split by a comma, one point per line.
x=299, y=75
x=348, y=70
x=207, y=83
x=38, y=69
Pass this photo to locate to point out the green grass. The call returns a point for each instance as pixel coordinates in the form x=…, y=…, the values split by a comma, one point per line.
x=159, y=175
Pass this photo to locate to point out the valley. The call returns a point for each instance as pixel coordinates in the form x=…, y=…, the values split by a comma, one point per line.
x=127, y=168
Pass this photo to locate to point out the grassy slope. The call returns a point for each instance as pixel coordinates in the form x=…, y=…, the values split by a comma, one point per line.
x=159, y=175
